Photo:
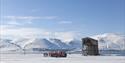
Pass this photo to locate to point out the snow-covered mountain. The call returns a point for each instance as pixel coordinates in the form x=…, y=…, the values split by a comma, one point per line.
x=6, y=45
x=60, y=44
x=41, y=43
x=75, y=44
x=108, y=41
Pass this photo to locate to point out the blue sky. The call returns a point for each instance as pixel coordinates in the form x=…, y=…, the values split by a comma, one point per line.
x=78, y=17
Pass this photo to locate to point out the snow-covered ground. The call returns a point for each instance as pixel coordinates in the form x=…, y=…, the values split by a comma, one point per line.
x=72, y=58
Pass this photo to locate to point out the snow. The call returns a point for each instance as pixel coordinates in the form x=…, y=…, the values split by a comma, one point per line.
x=108, y=41
x=41, y=43
x=59, y=43
x=6, y=45
x=72, y=58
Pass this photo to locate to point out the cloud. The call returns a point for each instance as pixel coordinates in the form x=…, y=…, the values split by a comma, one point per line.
x=65, y=22
x=13, y=23
x=22, y=32
x=30, y=17
x=19, y=20
x=27, y=32
x=65, y=36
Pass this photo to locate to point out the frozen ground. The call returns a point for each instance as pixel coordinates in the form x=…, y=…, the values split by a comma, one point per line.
x=72, y=58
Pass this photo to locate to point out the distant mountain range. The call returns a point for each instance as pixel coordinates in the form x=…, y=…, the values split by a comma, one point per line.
x=108, y=41
x=111, y=41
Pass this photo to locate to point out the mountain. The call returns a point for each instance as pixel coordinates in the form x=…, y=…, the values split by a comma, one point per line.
x=60, y=44
x=75, y=44
x=6, y=45
x=107, y=41
x=22, y=41
x=41, y=44
x=110, y=41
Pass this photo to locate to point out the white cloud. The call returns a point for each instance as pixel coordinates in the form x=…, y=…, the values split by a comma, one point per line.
x=22, y=20
x=19, y=20
x=65, y=36
x=13, y=23
x=49, y=17
x=20, y=32
x=30, y=17
x=65, y=22
x=16, y=32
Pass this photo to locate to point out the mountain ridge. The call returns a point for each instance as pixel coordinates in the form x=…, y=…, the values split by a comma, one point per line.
x=107, y=41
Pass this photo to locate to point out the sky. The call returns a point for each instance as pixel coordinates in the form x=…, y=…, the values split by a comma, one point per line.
x=63, y=19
